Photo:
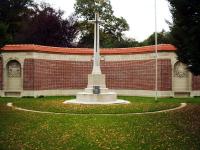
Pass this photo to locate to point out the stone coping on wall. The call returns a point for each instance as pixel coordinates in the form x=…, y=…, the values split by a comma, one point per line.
x=86, y=51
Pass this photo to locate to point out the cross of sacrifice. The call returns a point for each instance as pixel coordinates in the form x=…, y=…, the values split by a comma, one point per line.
x=96, y=59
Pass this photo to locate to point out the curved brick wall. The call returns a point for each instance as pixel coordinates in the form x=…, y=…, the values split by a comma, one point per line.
x=137, y=75
x=48, y=74
x=196, y=83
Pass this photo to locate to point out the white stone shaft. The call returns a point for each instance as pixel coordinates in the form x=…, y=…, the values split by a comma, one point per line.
x=96, y=59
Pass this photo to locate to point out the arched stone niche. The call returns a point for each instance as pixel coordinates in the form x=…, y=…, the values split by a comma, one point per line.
x=181, y=78
x=13, y=76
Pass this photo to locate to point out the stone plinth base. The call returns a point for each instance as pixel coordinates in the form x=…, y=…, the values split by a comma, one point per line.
x=96, y=80
x=90, y=97
x=118, y=101
x=104, y=96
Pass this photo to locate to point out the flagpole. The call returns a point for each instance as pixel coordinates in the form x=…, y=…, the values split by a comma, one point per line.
x=156, y=54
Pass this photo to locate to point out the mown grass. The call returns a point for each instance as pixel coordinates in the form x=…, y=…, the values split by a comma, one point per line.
x=175, y=130
x=55, y=104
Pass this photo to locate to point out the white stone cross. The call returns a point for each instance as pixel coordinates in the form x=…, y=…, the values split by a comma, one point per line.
x=96, y=58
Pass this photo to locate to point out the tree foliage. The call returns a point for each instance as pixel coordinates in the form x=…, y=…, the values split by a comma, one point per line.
x=12, y=15
x=111, y=31
x=185, y=31
x=23, y=21
x=163, y=38
x=47, y=27
x=4, y=36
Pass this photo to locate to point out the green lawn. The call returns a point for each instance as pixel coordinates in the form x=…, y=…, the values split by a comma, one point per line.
x=173, y=130
x=55, y=104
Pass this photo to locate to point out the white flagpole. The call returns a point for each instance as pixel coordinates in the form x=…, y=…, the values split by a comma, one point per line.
x=156, y=53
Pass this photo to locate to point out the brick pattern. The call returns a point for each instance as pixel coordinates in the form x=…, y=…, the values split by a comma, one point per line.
x=28, y=74
x=1, y=73
x=196, y=82
x=137, y=75
x=48, y=74
x=165, y=75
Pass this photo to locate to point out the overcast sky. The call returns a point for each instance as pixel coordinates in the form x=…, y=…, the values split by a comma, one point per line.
x=138, y=13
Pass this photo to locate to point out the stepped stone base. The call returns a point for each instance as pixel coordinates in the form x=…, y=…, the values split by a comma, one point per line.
x=118, y=101
x=103, y=97
x=88, y=96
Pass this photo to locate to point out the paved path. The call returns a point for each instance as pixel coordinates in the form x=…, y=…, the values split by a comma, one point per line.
x=45, y=112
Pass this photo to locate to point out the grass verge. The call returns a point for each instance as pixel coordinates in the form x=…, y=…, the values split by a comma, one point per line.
x=175, y=130
x=55, y=104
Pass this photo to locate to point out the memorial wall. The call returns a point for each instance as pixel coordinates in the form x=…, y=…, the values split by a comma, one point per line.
x=34, y=70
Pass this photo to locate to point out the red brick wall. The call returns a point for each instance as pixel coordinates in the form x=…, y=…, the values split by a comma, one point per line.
x=165, y=75
x=1, y=73
x=138, y=75
x=196, y=83
x=49, y=74
x=28, y=74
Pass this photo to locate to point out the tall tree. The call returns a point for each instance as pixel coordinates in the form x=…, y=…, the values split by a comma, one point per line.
x=4, y=36
x=186, y=32
x=163, y=38
x=112, y=30
x=12, y=14
x=47, y=27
